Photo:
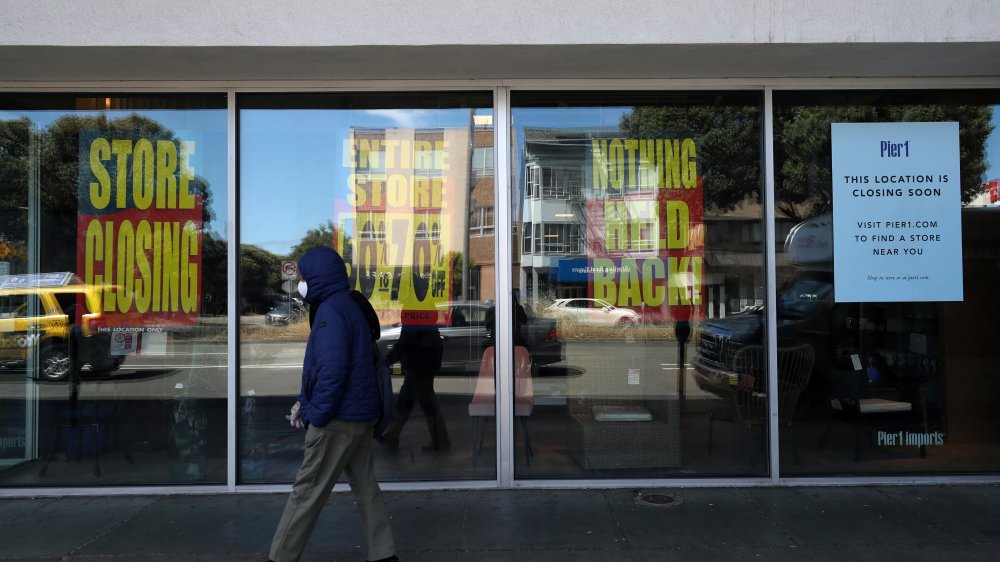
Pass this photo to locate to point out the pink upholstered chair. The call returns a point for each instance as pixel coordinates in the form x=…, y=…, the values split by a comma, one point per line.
x=483, y=402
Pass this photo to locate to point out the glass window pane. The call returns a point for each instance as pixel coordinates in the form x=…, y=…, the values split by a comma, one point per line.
x=402, y=186
x=113, y=290
x=901, y=384
x=627, y=311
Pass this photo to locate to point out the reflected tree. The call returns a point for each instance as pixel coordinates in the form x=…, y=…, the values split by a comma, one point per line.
x=260, y=278
x=803, y=156
x=323, y=236
x=728, y=142
x=58, y=168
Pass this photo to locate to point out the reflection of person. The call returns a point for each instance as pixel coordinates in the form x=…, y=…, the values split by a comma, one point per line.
x=520, y=319
x=419, y=351
x=338, y=404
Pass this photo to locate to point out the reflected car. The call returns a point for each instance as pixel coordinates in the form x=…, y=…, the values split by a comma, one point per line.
x=592, y=312
x=466, y=331
x=287, y=312
x=39, y=313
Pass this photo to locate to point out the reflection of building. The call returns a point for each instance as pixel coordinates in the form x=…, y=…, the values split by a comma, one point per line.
x=563, y=222
x=553, y=211
x=480, y=258
x=411, y=186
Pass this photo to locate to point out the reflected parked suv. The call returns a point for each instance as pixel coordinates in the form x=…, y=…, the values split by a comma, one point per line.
x=39, y=314
x=467, y=331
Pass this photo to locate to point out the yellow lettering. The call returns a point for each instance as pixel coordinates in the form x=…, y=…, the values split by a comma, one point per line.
x=652, y=269
x=186, y=175
x=123, y=148
x=441, y=155
x=670, y=167
x=688, y=153
x=377, y=186
x=397, y=188
x=126, y=266
x=616, y=154
x=604, y=280
x=599, y=152
x=93, y=252
x=368, y=153
x=188, y=270
x=679, y=288
x=166, y=165
x=647, y=164
x=143, y=242
x=142, y=173
x=109, y=266
x=100, y=191
x=391, y=149
x=350, y=152
x=696, y=265
x=421, y=192
x=630, y=291
x=171, y=266
x=631, y=145
x=157, y=265
x=355, y=195
x=615, y=225
x=678, y=221
x=437, y=193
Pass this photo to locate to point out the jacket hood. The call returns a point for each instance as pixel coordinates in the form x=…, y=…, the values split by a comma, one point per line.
x=324, y=272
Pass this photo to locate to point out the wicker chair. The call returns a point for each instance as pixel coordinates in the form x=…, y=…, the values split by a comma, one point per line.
x=748, y=404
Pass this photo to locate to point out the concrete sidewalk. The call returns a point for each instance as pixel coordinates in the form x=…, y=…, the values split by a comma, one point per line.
x=878, y=523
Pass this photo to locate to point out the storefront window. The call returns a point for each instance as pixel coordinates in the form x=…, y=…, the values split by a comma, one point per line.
x=886, y=275
x=112, y=290
x=637, y=242
x=402, y=186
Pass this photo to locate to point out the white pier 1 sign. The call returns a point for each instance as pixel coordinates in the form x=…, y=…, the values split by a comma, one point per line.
x=897, y=212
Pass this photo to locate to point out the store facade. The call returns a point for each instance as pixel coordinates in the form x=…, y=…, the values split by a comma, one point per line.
x=764, y=263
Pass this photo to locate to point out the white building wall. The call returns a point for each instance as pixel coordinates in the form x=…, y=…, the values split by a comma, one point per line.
x=305, y=23
x=254, y=41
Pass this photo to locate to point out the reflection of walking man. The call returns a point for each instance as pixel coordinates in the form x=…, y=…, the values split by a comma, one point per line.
x=338, y=403
x=419, y=350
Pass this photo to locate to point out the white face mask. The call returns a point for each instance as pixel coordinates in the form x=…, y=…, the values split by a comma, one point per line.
x=302, y=288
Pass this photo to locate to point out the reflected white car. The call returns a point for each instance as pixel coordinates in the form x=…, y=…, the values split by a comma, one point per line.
x=592, y=312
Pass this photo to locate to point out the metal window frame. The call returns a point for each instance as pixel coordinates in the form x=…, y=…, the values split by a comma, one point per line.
x=501, y=90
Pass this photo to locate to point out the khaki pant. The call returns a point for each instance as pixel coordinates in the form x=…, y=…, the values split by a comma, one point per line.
x=339, y=446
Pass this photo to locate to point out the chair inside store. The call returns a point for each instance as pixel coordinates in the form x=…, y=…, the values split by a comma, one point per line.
x=748, y=403
x=483, y=402
x=870, y=405
x=82, y=427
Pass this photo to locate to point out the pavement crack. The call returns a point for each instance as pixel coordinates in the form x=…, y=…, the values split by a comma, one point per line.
x=618, y=524
x=927, y=521
x=111, y=528
x=465, y=521
x=766, y=517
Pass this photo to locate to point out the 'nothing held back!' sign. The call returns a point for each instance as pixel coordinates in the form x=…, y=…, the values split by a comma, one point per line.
x=897, y=212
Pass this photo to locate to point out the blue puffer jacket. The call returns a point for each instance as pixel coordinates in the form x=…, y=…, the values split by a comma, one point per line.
x=338, y=373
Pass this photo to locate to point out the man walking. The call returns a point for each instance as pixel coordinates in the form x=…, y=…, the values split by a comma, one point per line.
x=339, y=403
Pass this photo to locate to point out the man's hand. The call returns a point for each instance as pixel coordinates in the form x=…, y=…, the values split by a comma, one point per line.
x=293, y=418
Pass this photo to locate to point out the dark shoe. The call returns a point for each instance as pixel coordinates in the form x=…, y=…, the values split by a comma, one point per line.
x=392, y=558
x=439, y=434
x=390, y=437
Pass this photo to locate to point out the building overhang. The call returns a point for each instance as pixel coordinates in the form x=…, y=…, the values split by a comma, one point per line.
x=764, y=62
